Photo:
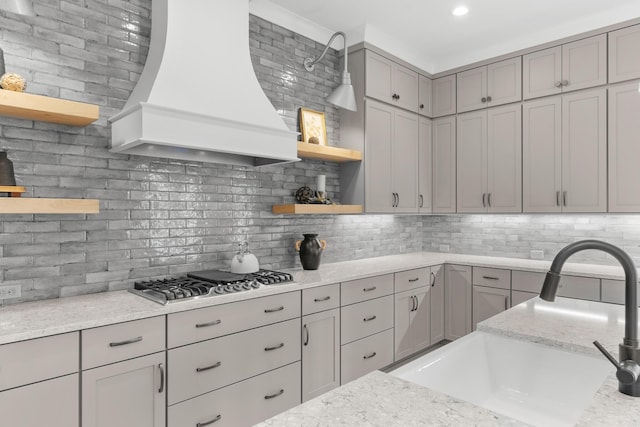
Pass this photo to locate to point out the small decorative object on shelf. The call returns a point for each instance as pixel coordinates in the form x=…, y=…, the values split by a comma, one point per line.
x=7, y=177
x=313, y=127
x=14, y=82
x=310, y=251
x=305, y=195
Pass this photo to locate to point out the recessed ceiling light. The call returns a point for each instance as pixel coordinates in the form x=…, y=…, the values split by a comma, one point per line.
x=460, y=10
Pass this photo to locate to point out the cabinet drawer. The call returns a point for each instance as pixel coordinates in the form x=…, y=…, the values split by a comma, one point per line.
x=39, y=359
x=205, y=323
x=491, y=277
x=365, y=289
x=121, y=341
x=209, y=365
x=570, y=286
x=366, y=318
x=411, y=279
x=320, y=299
x=243, y=404
x=48, y=403
x=366, y=355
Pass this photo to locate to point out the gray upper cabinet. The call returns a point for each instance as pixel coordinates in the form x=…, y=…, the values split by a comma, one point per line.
x=444, y=165
x=425, y=107
x=624, y=150
x=572, y=66
x=390, y=82
x=444, y=96
x=495, y=84
x=624, y=54
x=425, y=169
x=565, y=153
x=489, y=159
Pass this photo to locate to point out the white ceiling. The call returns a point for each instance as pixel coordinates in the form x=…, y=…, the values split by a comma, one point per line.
x=426, y=34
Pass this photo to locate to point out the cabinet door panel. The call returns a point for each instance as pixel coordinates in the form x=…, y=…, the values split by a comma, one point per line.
x=472, y=162
x=379, y=81
x=444, y=165
x=379, y=134
x=584, y=63
x=542, y=155
x=320, y=353
x=52, y=403
x=518, y=297
x=444, y=96
x=488, y=302
x=624, y=149
x=584, y=152
x=425, y=107
x=404, y=304
x=624, y=55
x=541, y=72
x=471, y=89
x=436, y=298
x=504, y=159
x=125, y=394
x=504, y=81
x=404, y=158
x=421, y=322
x=458, y=301
x=406, y=87
x=425, y=170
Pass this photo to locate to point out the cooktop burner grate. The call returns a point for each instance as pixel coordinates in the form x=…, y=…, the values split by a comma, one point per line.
x=205, y=284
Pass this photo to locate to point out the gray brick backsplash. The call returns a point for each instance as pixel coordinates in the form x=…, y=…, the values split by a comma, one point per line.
x=164, y=217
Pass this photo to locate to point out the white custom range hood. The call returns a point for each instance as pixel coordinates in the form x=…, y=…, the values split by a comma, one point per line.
x=198, y=97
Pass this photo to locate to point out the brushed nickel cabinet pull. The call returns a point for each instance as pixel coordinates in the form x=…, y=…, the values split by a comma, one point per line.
x=557, y=198
x=274, y=347
x=488, y=98
x=484, y=200
x=204, y=325
x=373, y=288
x=433, y=279
x=206, y=368
x=564, y=198
x=161, y=369
x=421, y=201
x=490, y=278
x=271, y=396
x=414, y=280
x=273, y=310
x=506, y=302
x=489, y=199
x=369, y=356
x=125, y=342
x=368, y=319
x=306, y=332
x=206, y=423
x=327, y=298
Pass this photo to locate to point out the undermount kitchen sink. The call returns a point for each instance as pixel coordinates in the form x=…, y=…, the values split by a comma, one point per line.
x=530, y=382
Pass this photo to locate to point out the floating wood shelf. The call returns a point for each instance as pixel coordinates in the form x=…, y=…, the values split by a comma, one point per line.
x=47, y=109
x=325, y=152
x=316, y=209
x=23, y=205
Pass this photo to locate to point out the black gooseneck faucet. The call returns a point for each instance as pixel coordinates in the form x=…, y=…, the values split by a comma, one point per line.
x=628, y=369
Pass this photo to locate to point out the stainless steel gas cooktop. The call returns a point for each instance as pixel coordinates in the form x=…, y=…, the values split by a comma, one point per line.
x=206, y=283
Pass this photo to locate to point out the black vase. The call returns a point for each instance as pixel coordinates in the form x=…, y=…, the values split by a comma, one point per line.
x=6, y=170
x=310, y=251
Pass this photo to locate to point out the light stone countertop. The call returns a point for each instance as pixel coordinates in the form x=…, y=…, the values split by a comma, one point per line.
x=55, y=316
x=379, y=399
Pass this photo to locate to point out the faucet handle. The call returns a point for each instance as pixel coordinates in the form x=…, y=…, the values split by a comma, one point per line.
x=627, y=371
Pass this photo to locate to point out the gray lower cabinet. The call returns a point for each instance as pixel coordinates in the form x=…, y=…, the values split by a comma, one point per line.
x=518, y=297
x=487, y=302
x=444, y=164
x=458, y=301
x=570, y=286
x=365, y=355
x=412, y=328
x=436, y=300
x=51, y=403
x=241, y=404
x=320, y=353
x=128, y=393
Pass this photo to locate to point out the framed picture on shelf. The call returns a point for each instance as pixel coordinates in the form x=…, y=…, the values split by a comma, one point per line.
x=313, y=127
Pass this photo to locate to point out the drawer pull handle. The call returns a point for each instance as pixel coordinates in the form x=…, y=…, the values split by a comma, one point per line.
x=161, y=369
x=271, y=396
x=433, y=279
x=373, y=288
x=414, y=280
x=206, y=368
x=369, y=356
x=273, y=310
x=206, y=423
x=125, y=342
x=490, y=278
x=204, y=325
x=368, y=319
x=327, y=298
x=274, y=347
x=306, y=331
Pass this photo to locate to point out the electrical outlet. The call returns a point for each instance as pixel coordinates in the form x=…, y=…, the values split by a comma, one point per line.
x=536, y=254
x=11, y=291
